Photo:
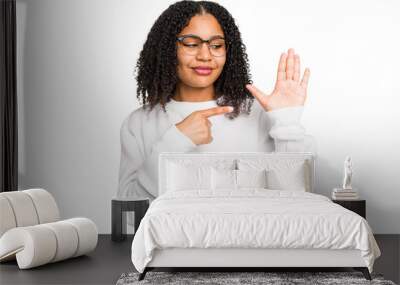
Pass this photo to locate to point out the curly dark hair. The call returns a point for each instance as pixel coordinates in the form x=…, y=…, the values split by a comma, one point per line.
x=157, y=64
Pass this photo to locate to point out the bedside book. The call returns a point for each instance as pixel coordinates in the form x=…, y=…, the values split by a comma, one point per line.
x=345, y=194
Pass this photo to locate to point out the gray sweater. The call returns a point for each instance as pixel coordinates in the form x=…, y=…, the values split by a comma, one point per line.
x=145, y=134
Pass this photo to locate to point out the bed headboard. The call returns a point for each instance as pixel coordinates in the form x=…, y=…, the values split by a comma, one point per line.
x=235, y=159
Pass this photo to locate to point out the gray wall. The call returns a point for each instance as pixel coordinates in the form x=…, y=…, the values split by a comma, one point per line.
x=76, y=85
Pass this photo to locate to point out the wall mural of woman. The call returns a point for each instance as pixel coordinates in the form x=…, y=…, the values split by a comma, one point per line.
x=195, y=86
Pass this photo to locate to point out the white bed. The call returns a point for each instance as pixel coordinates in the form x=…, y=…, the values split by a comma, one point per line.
x=212, y=224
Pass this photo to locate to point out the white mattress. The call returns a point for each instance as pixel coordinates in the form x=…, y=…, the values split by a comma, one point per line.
x=252, y=218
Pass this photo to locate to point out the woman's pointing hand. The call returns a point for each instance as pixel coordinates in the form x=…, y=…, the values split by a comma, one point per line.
x=197, y=127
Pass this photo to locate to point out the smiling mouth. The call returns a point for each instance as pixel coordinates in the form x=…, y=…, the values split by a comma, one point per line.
x=202, y=71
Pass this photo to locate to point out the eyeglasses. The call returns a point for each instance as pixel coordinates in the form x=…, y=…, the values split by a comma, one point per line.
x=192, y=44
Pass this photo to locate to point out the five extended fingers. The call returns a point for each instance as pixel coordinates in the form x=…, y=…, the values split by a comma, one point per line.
x=289, y=68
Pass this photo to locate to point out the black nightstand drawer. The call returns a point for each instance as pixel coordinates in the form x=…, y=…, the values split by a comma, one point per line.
x=357, y=206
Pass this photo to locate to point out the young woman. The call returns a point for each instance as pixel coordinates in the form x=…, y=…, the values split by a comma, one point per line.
x=192, y=70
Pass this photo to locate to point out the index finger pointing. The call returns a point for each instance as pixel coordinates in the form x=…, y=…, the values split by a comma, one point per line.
x=216, y=111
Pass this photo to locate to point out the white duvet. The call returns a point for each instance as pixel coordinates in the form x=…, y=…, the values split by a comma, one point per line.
x=251, y=218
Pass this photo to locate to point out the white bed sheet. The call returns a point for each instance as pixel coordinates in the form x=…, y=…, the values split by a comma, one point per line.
x=250, y=218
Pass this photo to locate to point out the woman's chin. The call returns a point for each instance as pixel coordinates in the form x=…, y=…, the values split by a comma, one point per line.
x=198, y=85
x=201, y=82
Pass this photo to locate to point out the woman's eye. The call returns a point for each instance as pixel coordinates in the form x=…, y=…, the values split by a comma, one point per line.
x=216, y=46
x=191, y=45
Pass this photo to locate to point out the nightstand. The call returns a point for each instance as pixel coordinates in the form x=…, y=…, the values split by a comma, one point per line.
x=357, y=206
x=118, y=219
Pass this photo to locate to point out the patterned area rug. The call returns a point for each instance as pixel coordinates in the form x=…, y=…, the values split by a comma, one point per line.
x=270, y=278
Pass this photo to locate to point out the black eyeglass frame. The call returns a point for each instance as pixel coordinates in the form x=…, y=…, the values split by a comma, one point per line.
x=181, y=38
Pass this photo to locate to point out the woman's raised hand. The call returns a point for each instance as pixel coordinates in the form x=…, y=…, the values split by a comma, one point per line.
x=197, y=127
x=288, y=91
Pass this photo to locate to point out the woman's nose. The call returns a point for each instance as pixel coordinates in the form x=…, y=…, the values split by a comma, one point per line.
x=204, y=52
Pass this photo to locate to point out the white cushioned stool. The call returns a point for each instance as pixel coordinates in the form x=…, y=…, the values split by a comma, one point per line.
x=32, y=233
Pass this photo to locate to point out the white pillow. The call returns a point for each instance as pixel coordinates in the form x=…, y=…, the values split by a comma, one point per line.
x=182, y=177
x=252, y=178
x=223, y=179
x=287, y=179
x=282, y=174
x=231, y=179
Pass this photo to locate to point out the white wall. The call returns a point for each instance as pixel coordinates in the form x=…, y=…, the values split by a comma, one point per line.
x=76, y=85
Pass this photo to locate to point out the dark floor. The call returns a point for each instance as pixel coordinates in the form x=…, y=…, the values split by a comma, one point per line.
x=111, y=259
